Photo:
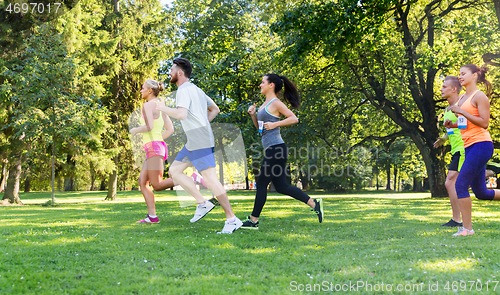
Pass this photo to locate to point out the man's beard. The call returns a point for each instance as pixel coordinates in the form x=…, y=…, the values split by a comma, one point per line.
x=173, y=79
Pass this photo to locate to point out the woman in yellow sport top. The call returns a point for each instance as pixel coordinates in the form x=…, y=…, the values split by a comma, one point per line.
x=156, y=150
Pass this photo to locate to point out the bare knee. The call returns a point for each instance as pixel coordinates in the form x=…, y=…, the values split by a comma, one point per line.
x=142, y=182
x=449, y=184
x=173, y=173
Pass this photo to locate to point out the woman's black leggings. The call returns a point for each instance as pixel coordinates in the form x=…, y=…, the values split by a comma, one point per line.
x=273, y=169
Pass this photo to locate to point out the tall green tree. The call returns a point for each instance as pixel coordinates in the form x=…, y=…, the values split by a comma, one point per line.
x=394, y=52
x=143, y=32
x=231, y=48
x=51, y=106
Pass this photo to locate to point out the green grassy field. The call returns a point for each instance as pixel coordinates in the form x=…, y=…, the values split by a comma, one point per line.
x=366, y=244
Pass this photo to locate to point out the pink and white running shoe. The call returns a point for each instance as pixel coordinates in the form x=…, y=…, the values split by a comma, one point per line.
x=149, y=219
x=198, y=179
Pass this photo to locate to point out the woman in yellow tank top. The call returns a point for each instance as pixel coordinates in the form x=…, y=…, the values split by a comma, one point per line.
x=156, y=150
x=473, y=112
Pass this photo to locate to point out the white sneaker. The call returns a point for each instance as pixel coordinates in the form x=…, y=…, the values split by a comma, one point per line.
x=202, y=210
x=462, y=231
x=230, y=227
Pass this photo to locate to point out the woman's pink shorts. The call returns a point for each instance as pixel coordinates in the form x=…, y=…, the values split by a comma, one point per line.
x=156, y=148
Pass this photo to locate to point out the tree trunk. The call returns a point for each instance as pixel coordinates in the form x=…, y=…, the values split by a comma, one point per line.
x=112, y=185
x=102, y=187
x=69, y=181
x=377, y=180
x=27, y=184
x=221, y=159
x=288, y=175
x=12, y=189
x=395, y=178
x=497, y=9
x=5, y=176
x=69, y=184
x=255, y=174
x=304, y=180
x=53, y=174
x=112, y=182
x=92, y=181
x=417, y=184
x=221, y=172
x=388, y=186
x=92, y=176
x=247, y=183
x=436, y=170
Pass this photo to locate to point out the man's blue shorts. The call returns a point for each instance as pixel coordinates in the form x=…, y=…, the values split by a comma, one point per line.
x=201, y=159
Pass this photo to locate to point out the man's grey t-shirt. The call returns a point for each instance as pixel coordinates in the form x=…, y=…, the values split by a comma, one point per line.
x=196, y=125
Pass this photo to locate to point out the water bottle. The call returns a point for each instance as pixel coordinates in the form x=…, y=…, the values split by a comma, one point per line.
x=261, y=126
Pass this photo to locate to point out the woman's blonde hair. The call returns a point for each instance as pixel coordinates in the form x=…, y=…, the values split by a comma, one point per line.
x=155, y=86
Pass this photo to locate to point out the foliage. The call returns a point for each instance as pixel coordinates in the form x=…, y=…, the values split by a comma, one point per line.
x=385, y=59
x=52, y=108
x=229, y=45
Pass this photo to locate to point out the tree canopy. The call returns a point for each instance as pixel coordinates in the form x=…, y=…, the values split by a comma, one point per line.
x=368, y=73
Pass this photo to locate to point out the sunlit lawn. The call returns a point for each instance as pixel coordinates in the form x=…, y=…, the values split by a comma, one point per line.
x=87, y=246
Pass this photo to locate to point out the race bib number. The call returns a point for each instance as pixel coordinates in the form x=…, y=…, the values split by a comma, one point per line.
x=462, y=122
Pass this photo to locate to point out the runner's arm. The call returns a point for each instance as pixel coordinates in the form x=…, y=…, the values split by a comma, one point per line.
x=169, y=127
x=213, y=110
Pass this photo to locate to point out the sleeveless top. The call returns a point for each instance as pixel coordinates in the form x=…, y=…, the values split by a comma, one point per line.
x=456, y=142
x=155, y=133
x=269, y=137
x=473, y=133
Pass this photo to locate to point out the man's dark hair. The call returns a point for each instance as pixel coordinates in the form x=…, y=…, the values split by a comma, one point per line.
x=185, y=65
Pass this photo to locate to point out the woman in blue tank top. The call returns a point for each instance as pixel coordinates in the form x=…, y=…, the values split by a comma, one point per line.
x=273, y=168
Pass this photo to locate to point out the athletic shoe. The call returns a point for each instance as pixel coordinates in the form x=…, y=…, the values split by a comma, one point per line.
x=149, y=220
x=318, y=209
x=249, y=224
x=202, y=210
x=452, y=223
x=463, y=232
x=230, y=227
x=198, y=179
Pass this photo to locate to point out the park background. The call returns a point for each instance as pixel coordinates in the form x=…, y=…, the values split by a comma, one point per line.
x=369, y=74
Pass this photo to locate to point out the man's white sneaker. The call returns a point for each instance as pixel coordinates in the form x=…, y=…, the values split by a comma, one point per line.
x=230, y=227
x=202, y=210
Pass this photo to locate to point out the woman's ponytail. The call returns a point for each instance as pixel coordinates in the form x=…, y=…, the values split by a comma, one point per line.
x=290, y=94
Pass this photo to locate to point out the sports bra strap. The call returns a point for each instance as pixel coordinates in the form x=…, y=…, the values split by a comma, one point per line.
x=270, y=103
x=470, y=97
